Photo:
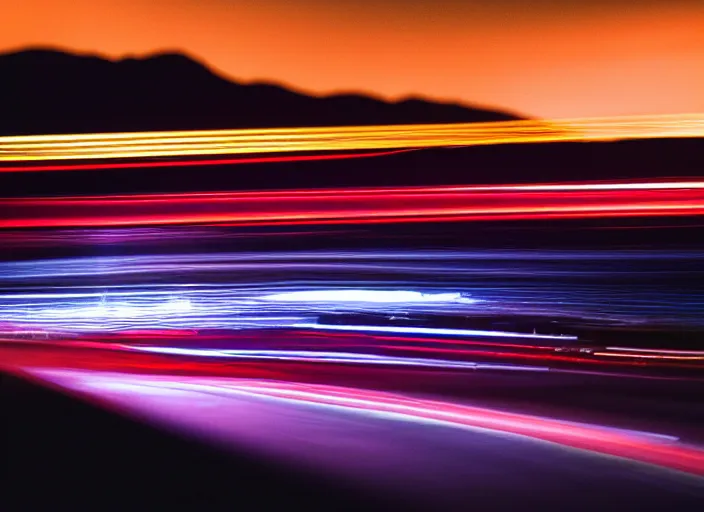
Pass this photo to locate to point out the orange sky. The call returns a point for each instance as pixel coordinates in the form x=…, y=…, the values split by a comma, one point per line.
x=551, y=58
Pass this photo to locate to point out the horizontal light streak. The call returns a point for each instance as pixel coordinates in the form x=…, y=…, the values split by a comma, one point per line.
x=375, y=296
x=254, y=141
x=431, y=331
x=333, y=357
x=358, y=206
x=650, y=356
x=193, y=163
x=236, y=290
x=658, y=351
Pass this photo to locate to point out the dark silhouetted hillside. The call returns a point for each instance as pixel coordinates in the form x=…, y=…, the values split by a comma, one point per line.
x=53, y=92
x=48, y=91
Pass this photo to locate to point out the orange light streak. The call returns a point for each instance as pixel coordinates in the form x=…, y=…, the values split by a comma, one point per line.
x=354, y=138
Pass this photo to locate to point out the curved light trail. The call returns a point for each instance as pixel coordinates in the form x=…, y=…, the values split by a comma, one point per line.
x=645, y=447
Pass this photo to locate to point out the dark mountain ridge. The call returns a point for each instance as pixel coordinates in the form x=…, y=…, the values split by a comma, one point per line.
x=45, y=91
x=49, y=91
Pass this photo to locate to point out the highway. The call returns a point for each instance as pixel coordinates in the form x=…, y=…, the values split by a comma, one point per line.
x=350, y=348
x=387, y=448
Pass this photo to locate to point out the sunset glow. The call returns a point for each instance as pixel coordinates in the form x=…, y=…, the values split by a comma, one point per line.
x=542, y=58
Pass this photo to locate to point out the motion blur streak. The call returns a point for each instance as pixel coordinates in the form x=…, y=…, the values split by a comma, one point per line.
x=382, y=296
x=191, y=163
x=651, y=356
x=653, y=351
x=433, y=331
x=235, y=290
x=354, y=206
x=659, y=450
x=607, y=441
x=334, y=357
x=645, y=353
x=252, y=141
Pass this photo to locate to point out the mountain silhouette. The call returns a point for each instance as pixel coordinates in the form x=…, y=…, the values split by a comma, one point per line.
x=49, y=91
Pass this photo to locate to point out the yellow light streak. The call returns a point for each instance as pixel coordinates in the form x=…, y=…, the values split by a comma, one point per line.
x=347, y=138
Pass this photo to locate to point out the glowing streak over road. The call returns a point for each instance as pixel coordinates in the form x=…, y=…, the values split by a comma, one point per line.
x=359, y=206
x=334, y=357
x=125, y=391
x=432, y=331
x=200, y=163
x=659, y=351
x=622, y=443
x=284, y=140
x=651, y=356
x=381, y=296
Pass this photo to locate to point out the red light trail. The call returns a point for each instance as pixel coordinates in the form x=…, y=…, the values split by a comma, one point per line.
x=100, y=387
x=362, y=206
x=194, y=163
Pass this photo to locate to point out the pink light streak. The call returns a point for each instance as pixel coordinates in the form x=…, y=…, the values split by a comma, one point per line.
x=362, y=206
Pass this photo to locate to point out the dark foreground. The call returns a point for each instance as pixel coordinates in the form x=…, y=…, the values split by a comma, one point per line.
x=77, y=440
